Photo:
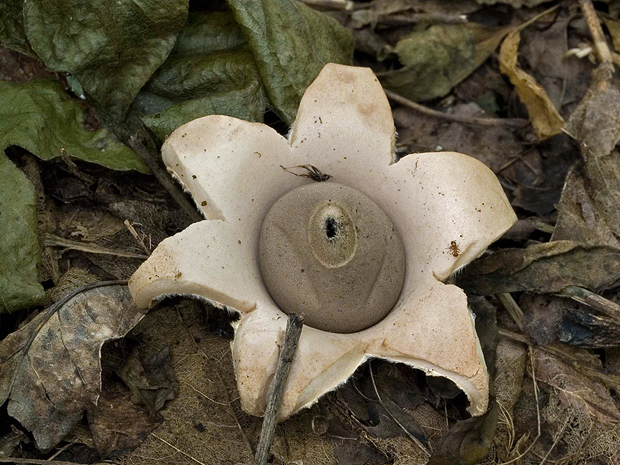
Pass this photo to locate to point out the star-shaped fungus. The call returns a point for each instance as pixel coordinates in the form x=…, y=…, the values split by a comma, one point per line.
x=361, y=256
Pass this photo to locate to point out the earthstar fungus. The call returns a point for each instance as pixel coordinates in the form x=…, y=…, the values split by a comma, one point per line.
x=272, y=239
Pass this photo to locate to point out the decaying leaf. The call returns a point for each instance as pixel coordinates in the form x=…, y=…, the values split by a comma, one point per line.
x=578, y=217
x=438, y=58
x=50, y=369
x=151, y=381
x=19, y=244
x=549, y=319
x=211, y=70
x=118, y=425
x=40, y=117
x=467, y=442
x=112, y=48
x=575, y=388
x=544, y=116
x=510, y=363
x=291, y=42
x=595, y=123
x=545, y=268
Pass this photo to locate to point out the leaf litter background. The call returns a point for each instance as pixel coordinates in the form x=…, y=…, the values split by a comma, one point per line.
x=521, y=85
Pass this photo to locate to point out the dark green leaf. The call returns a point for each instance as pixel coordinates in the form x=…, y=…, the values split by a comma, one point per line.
x=544, y=268
x=12, y=27
x=41, y=118
x=291, y=44
x=112, y=48
x=247, y=103
x=438, y=58
x=210, y=71
x=19, y=247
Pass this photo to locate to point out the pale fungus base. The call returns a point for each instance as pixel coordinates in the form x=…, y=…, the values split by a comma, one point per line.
x=446, y=207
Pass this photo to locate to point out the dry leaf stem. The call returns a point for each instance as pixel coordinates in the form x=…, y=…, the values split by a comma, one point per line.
x=596, y=31
x=164, y=178
x=276, y=390
x=510, y=122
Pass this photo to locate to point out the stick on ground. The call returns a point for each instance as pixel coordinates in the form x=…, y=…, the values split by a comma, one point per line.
x=276, y=390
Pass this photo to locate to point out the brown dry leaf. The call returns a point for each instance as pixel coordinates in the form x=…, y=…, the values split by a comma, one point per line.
x=549, y=319
x=580, y=440
x=50, y=369
x=545, y=268
x=544, y=116
x=595, y=123
x=117, y=425
x=574, y=388
x=578, y=217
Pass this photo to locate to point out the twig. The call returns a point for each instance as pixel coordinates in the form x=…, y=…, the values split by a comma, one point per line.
x=594, y=25
x=511, y=306
x=276, y=390
x=21, y=461
x=185, y=454
x=56, y=241
x=346, y=5
x=510, y=122
x=593, y=300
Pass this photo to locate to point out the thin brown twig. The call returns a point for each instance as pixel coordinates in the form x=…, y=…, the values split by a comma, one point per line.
x=276, y=390
x=52, y=240
x=345, y=5
x=172, y=446
x=596, y=31
x=164, y=178
x=23, y=461
x=510, y=122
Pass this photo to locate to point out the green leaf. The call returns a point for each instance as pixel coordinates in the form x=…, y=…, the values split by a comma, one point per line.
x=210, y=71
x=544, y=268
x=438, y=58
x=291, y=44
x=40, y=117
x=12, y=27
x=112, y=47
x=19, y=244
x=247, y=103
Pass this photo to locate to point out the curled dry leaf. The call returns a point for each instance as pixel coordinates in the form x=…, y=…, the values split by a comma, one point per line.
x=545, y=268
x=50, y=369
x=545, y=118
